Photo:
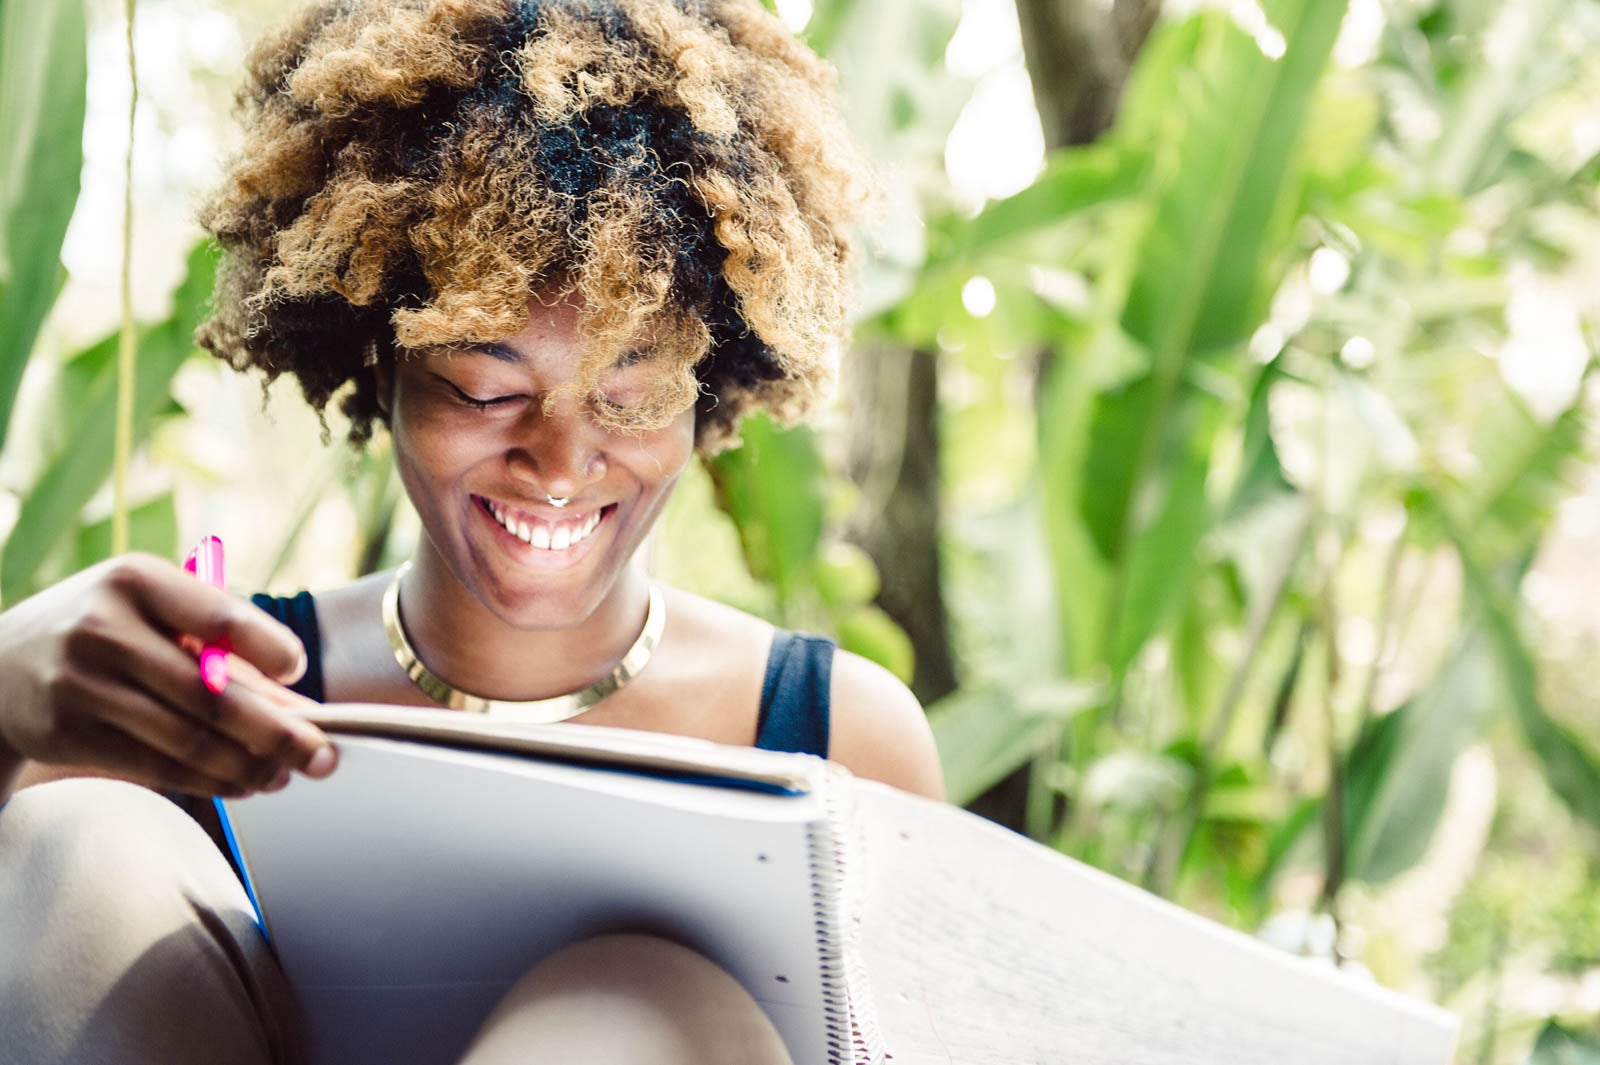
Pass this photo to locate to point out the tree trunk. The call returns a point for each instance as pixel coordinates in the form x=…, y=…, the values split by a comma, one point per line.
x=894, y=459
x=1078, y=53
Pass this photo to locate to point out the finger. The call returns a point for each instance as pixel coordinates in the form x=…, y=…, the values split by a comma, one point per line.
x=239, y=712
x=179, y=604
x=273, y=690
x=284, y=700
x=113, y=750
x=177, y=736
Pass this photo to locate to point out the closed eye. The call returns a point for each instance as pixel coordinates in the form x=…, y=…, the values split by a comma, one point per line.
x=606, y=403
x=481, y=404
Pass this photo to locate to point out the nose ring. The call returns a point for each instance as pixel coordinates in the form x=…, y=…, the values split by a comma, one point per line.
x=558, y=503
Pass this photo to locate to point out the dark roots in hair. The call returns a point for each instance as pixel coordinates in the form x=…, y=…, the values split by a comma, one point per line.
x=414, y=170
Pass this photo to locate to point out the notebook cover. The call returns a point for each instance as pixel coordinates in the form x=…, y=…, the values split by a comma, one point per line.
x=408, y=891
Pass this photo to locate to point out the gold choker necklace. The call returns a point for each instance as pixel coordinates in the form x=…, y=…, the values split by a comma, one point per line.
x=544, y=711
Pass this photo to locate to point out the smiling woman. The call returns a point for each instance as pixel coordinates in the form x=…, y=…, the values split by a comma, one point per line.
x=555, y=248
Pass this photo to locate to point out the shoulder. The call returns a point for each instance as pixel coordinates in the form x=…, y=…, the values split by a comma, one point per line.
x=706, y=618
x=879, y=730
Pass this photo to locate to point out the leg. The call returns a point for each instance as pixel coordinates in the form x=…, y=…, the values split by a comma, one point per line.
x=627, y=1000
x=127, y=937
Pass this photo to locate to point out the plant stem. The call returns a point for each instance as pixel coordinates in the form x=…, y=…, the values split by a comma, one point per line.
x=127, y=350
x=1388, y=630
x=1228, y=704
x=1491, y=1011
x=1166, y=854
x=1040, y=814
x=1333, y=821
x=1283, y=699
x=300, y=516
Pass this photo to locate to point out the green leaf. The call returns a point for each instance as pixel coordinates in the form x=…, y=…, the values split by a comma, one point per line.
x=1261, y=478
x=1398, y=772
x=1571, y=765
x=984, y=735
x=846, y=575
x=152, y=527
x=1557, y=1045
x=774, y=487
x=822, y=28
x=1287, y=841
x=982, y=740
x=1527, y=467
x=872, y=634
x=43, y=74
x=1074, y=180
x=73, y=475
x=1136, y=781
x=1476, y=135
x=1232, y=119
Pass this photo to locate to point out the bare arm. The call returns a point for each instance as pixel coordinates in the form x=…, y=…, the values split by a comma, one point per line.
x=879, y=730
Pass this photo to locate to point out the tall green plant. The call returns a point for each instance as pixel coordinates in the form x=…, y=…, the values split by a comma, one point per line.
x=43, y=74
x=1128, y=428
x=81, y=459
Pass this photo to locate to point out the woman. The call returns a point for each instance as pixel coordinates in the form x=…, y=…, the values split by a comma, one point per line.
x=555, y=247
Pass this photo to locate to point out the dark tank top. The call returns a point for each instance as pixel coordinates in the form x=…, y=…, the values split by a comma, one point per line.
x=794, y=695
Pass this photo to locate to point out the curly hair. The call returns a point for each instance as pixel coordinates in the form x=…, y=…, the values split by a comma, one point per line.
x=414, y=170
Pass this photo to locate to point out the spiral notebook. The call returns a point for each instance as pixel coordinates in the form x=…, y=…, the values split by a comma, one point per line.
x=449, y=853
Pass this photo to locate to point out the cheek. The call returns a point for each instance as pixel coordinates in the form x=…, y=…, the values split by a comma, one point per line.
x=658, y=458
x=427, y=437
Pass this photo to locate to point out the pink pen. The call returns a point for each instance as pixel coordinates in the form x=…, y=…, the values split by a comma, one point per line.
x=205, y=562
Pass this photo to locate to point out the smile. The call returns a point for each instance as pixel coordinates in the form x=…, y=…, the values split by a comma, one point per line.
x=542, y=533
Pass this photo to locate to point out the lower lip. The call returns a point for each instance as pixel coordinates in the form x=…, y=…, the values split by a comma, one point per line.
x=539, y=557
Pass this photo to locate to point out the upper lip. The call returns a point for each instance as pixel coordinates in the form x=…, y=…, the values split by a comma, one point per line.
x=545, y=510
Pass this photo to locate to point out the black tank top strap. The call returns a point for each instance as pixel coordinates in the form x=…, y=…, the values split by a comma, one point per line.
x=299, y=612
x=795, y=704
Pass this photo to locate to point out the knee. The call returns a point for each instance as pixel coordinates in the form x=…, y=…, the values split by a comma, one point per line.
x=633, y=997
x=95, y=853
x=649, y=972
x=119, y=915
x=618, y=957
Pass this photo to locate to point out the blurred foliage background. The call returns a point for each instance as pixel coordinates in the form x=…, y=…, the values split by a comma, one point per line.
x=1215, y=455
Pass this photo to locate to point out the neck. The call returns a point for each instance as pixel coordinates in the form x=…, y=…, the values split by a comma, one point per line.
x=473, y=649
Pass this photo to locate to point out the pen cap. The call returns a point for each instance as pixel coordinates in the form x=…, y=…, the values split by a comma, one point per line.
x=205, y=562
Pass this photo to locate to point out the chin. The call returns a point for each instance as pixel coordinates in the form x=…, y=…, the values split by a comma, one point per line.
x=529, y=584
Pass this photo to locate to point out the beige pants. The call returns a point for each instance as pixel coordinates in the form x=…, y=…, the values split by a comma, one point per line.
x=125, y=938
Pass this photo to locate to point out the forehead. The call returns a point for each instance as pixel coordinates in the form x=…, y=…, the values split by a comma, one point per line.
x=551, y=342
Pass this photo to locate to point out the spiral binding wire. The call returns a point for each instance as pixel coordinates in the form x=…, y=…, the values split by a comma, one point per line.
x=838, y=900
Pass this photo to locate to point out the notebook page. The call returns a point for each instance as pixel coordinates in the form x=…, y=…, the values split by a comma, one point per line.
x=590, y=744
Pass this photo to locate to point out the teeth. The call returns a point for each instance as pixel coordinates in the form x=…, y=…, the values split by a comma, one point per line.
x=541, y=536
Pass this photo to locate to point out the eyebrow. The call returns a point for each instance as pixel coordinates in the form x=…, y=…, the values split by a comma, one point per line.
x=497, y=351
x=503, y=353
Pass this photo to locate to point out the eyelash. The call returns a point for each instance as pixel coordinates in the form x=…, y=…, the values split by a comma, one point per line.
x=481, y=404
x=485, y=404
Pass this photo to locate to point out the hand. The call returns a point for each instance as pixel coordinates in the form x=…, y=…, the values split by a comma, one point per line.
x=92, y=675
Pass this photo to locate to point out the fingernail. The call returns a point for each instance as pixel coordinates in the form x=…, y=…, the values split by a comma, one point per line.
x=278, y=782
x=322, y=762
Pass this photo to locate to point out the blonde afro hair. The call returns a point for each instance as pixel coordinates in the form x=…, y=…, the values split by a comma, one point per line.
x=414, y=170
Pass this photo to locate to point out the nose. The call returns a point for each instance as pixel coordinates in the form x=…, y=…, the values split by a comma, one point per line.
x=557, y=450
